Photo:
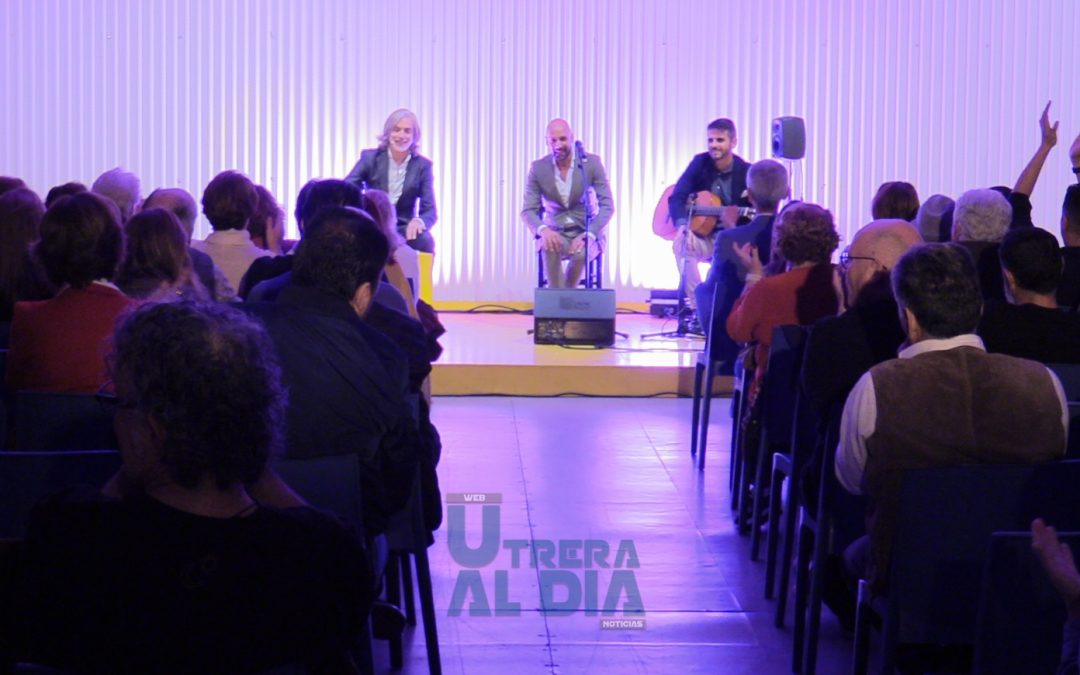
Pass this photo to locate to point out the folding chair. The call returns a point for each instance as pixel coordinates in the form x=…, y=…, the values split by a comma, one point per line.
x=706, y=368
x=827, y=525
x=937, y=562
x=27, y=477
x=332, y=483
x=777, y=410
x=55, y=421
x=1020, y=617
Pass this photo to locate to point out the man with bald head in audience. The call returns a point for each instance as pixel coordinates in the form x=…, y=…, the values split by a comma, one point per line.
x=841, y=348
x=182, y=205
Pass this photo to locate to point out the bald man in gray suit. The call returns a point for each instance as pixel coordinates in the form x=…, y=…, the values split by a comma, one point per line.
x=560, y=189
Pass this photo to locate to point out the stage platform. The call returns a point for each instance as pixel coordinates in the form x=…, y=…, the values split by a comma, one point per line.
x=493, y=353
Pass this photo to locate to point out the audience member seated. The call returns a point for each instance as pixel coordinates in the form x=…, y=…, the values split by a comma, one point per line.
x=934, y=220
x=21, y=277
x=895, y=200
x=60, y=344
x=228, y=203
x=806, y=292
x=10, y=183
x=175, y=567
x=123, y=188
x=1069, y=290
x=156, y=265
x=1020, y=195
x=182, y=205
x=1057, y=560
x=322, y=194
x=348, y=384
x=267, y=225
x=403, y=270
x=766, y=186
x=64, y=190
x=943, y=402
x=841, y=348
x=1030, y=325
x=980, y=220
x=268, y=268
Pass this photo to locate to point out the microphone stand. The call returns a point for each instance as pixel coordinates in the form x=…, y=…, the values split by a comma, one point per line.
x=581, y=159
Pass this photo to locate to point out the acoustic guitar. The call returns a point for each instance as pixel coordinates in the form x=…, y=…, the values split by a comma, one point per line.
x=705, y=211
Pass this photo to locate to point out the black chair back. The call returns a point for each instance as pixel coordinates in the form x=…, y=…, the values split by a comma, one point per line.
x=54, y=421
x=782, y=382
x=329, y=483
x=27, y=477
x=1069, y=374
x=944, y=528
x=1020, y=619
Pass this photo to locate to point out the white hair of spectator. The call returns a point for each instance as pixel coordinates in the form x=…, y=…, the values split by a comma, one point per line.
x=981, y=215
x=122, y=187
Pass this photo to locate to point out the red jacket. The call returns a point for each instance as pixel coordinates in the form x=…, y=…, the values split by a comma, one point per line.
x=60, y=344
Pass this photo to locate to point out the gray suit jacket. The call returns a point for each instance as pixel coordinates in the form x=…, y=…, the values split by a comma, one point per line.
x=543, y=207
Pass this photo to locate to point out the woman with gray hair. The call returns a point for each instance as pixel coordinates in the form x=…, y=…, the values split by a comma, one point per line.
x=174, y=566
x=397, y=168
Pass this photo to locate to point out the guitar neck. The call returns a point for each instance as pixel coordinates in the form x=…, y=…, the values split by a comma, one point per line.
x=716, y=211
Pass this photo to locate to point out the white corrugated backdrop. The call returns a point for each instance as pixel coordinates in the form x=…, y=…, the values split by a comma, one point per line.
x=945, y=94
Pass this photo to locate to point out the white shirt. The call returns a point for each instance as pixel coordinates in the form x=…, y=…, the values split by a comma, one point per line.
x=395, y=176
x=859, y=420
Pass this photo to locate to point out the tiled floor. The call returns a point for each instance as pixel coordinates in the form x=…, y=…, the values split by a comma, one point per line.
x=584, y=474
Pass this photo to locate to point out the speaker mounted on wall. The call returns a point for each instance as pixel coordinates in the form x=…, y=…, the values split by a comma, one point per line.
x=789, y=137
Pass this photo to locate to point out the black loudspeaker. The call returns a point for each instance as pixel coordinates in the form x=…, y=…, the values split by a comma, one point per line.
x=574, y=316
x=789, y=137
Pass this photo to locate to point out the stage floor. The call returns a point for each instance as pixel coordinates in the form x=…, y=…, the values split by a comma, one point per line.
x=493, y=353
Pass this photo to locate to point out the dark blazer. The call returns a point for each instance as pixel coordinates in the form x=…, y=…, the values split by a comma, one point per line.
x=347, y=388
x=371, y=171
x=700, y=175
x=841, y=348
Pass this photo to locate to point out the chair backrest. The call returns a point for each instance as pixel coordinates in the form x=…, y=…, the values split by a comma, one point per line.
x=1069, y=374
x=1020, y=618
x=330, y=483
x=782, y=382
x=1073, y=448
x=943, y=531
x=54, y=421
x=26, y=477
x=5, y=401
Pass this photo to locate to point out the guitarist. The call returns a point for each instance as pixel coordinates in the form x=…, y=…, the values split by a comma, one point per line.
x=721, y=172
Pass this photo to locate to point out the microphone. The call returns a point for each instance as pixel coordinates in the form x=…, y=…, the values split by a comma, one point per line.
x=581, y=151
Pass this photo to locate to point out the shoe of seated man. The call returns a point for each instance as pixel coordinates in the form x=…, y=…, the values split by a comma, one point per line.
x=387, y=620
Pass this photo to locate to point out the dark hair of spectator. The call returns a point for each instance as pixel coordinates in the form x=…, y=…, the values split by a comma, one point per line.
x=327, y=193
x=301, y=200
x=343, y=249
x=268, y=208
x=208, y=375
x=1033, y=257
x=65, y=190
x=229, y=201
x=21, y=212
x=806, y=233
x=156, y=248
x=895, y=199
x=939, y=285
x=722, y=124
x=10, y=183
x=80, y=240
x=1070, y=207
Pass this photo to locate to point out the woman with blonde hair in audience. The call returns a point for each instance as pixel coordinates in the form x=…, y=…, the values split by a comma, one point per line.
x=157, y=265
x=21, y=278
x=60, y=344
